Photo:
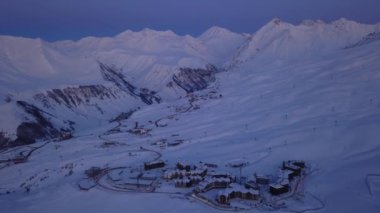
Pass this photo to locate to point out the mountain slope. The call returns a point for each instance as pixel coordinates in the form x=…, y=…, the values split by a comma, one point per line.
x=324, y=110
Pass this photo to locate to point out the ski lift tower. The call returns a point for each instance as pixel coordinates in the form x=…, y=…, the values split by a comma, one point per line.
x=238, y=163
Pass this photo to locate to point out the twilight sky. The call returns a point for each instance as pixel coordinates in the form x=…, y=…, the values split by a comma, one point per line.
x=73, y=19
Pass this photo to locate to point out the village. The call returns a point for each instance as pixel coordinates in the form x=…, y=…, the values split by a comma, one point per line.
x=223, y=187
x=204, y=182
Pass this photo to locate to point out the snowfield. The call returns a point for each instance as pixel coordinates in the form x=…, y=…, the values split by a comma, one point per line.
x=285, y=93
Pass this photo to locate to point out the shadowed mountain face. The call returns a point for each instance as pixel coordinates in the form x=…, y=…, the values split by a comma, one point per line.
x=46, y=117
x=192, y=80
x=113, y=75
x=50, y=104
x=28, y=132
x=75, y=96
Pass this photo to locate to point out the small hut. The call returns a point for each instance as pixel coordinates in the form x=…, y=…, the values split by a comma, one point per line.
x=154, y=165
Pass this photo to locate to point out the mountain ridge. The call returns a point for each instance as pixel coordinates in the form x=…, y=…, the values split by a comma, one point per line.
x=154, y=66
x=215, y=46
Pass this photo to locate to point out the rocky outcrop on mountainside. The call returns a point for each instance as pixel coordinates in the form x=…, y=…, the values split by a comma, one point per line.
x=75, y=96
x=41, y=127
x=115, y=76
x=192, y=80
x=371, y=37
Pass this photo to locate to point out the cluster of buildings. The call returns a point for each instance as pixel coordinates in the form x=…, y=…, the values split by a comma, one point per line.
x=186, y=175
x=251, y=189
x=216, y=188
x=203, y=180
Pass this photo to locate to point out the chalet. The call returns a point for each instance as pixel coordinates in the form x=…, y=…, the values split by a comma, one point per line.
x=197, y=172
x=183, y=183
x=262, y=179
x=236, y=191
x=171, y=174
x=277, y=189
x=223, y=175
x=195, y=179
x=211, y=183
x=184, y=166
x=154, y=165
x=183, y=173
x=290, y=166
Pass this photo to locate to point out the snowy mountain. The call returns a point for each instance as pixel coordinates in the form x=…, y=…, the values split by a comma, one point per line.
x=307, y=91
x=222, y=43
x=149, y=60
x=283, y=41
x=158, y=62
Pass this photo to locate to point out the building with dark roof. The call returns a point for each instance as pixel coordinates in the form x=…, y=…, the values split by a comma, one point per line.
x=237, y=191
x=154, y=165
x=279, y=188
x=262, y=179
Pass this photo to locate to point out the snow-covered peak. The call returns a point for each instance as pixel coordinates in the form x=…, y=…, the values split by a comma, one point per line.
x=343, y=21
x=144, y=54
x=146, y=32
x=216, y=32
x=346, y=25
x=222, y=43
x=281, y=40
x=276, y=22
x=312, y=22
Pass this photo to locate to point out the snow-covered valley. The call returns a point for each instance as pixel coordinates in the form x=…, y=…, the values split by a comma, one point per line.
x=307, y=92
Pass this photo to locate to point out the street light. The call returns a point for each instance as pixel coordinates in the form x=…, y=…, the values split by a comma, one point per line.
x=238, y=163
